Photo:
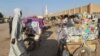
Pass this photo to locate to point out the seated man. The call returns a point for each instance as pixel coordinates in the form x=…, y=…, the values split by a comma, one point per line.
x=34, y=25
x=31, y=30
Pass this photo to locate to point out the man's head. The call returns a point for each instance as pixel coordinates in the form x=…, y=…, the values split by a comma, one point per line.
x=65, y=16
x=17, y=12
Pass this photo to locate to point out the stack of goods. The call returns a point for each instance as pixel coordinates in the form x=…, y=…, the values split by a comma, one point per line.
x=75, y=33
x=89, y=29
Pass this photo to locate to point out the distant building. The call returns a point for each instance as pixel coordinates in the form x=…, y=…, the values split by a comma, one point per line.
x=40, y=17
x=90, y=8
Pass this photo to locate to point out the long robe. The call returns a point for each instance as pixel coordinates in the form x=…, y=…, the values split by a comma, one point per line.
x=17, y=49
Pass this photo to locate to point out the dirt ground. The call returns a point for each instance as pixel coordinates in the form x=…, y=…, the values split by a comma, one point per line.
x=48, y=46
x=4, y=40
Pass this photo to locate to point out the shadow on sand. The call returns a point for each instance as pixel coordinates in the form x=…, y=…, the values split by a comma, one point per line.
x=48, y=47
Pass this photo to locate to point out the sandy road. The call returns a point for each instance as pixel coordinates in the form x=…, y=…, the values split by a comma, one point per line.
x=4, y=39
x=48, y=45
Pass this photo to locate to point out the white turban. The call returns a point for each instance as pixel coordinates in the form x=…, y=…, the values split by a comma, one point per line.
x=17, y=12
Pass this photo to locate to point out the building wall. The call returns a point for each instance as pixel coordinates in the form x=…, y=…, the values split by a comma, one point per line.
x=95, y=8
x=77, y=10
x=72, y=11
x=91, y=8
x=84, y=9
x=80, y=10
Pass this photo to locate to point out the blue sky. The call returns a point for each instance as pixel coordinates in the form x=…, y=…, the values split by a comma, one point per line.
x=36, y=7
